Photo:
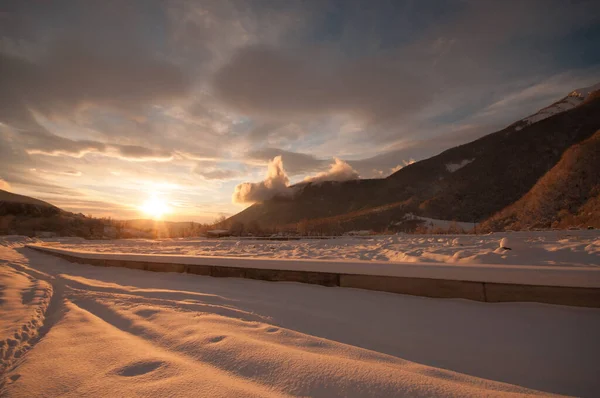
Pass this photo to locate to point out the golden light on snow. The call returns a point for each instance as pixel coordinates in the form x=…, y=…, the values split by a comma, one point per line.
x=155, y=207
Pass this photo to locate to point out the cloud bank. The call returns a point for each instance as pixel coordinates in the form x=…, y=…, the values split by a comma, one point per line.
x=276, y=183
x=259, y=81
x=338, y=171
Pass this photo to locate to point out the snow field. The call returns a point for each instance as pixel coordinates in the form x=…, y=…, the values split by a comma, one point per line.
x=564, y=248
x=124, y=332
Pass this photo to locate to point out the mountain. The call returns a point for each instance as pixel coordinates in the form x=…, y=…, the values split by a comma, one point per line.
x=568, y=195
x=10, y=197
x=23, y=215
x=470, y=182
x=13, y=204
x=572, y=100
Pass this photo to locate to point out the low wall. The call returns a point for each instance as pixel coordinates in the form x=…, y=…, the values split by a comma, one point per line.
x=414, y=283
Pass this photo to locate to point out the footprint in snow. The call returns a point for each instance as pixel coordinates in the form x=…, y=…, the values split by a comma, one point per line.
x=146, y=313
x=14, y=378
x=139, y=368
x=216, y=339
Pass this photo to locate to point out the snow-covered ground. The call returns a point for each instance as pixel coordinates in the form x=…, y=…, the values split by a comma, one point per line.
x=570, y=248
x=78, y=330
x=433, y=223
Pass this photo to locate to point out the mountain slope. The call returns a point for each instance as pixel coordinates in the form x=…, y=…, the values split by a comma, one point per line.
x=312, y=201
x=13, y=204
x=568, y=195
x=503, y=167
x=469, y=183
x=6, y=196
x=572, y=100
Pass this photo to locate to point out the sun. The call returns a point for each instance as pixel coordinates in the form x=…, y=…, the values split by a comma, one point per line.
x=155, y=207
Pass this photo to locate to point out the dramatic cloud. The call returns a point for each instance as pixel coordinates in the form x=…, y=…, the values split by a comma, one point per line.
x=4, y=185
x=524, y=102
x=457, y=61
x=339, y=171
x=66, y=55
x=71, y=77
x=276, y=183
x=43, y=142
x=275, y=84
x=295, y=163
x=46, y=143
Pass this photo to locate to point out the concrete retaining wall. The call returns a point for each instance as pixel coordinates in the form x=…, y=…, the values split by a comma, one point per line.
x=426, y=287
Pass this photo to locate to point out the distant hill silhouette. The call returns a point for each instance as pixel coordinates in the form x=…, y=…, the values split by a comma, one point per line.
x=24, y=215
x=14, y=204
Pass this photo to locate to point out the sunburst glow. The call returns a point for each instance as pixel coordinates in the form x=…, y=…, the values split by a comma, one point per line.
x=155, y=207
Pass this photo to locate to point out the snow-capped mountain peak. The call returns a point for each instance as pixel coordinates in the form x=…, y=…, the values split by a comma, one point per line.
x=583, y=93
x=573, y=99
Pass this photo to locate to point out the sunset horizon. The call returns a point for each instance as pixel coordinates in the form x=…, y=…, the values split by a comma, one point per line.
x=299, y=198
x=186, y=101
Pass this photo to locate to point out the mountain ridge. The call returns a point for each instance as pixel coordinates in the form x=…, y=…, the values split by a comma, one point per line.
x=567, y=195
x=570, y=101
x=469, y=182
x=15, y=204
x=6, y=196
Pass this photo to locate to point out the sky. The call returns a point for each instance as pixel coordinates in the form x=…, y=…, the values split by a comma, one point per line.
x=205, y=107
